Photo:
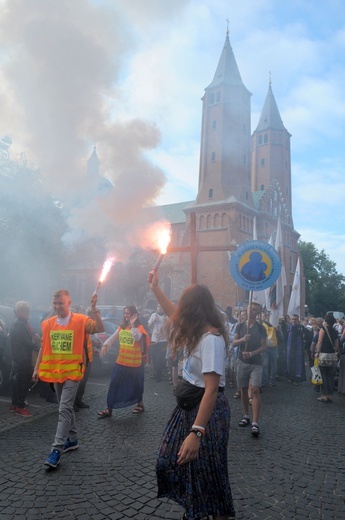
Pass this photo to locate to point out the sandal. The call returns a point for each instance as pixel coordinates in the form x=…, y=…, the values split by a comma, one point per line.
x=245, y=421
x=237, y=394
x=138, y=409
x=104, y=413
x=255, y=429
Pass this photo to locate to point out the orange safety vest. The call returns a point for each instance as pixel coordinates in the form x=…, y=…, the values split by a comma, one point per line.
x=131, y=353
x=63, y=350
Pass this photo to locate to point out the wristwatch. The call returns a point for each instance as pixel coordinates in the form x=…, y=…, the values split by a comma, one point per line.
x=196, y=432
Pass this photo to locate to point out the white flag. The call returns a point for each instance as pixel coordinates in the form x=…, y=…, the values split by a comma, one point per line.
x=295, y=298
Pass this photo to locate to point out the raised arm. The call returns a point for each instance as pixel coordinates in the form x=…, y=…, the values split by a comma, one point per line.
x=166, y=304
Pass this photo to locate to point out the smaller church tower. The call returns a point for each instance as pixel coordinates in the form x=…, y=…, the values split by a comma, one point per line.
x=271, y=155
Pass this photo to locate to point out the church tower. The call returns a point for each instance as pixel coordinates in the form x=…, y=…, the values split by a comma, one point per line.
x=225, y=135
x=271, y=154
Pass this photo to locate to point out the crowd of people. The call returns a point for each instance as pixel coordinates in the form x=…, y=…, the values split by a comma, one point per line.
x=199, y=347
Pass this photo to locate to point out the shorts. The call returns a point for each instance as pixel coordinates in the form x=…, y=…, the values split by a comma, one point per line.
x=248, y=375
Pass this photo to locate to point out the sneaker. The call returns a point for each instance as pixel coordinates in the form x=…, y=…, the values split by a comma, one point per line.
x=53, y=459
x=23, y=412
x=70, y=445
x=13, y=408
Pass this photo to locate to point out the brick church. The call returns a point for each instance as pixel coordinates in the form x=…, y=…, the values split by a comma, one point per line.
x=244, y=183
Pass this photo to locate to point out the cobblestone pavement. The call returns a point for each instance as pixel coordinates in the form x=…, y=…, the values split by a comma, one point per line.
x=294, y=470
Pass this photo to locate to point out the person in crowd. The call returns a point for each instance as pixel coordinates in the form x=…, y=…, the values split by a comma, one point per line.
x=242, y=318
x=270, y=355
x=328, y=343
x=25, y=344
x=250, y=337
x=79, y=403
x=158, y=328
x=339, y=325
x=282, y=334
x=192, y=466
x=295, y=352
x=341, y=376
x=316, y=324
x=62, y=360
x=127, y=379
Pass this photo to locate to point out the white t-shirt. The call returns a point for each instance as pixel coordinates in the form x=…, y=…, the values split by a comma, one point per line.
x=159, y=331
x=209, y=356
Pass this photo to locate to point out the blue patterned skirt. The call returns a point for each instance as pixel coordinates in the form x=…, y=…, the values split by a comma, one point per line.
x=126, y=386
x=202, y=486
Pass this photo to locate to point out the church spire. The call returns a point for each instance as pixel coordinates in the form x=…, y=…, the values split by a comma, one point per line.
x=270, y=116
x=227, y=70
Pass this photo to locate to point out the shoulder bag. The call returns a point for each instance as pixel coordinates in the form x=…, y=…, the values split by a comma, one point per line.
x=188, y=396
x=328, y=359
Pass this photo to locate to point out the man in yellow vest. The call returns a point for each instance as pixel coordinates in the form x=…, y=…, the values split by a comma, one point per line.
x=62, y=361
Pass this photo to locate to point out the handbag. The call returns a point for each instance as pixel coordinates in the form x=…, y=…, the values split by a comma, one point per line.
x=188, y=396
x=316, y=377
x=328, y=359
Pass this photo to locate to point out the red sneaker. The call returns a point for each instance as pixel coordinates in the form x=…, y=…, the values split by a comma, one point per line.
x=23, y=412
x=13, y=408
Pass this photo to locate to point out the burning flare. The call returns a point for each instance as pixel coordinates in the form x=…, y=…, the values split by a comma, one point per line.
x=108, y=264
x=162, y=241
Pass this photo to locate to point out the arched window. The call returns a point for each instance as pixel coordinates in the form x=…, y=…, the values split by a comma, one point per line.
x=211, y=99
x=260, y=139
x=208, y=222
x=202, y=222
x=266, y=138
x=217, y=220
x=214, y=125
x=224, y=220
x=213, y=156
x=262, y=187
x=210, y=193
x=218, y=96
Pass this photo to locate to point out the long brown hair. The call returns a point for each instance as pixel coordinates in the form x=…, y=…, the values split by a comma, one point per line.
x=195, y=314
x=133, y=310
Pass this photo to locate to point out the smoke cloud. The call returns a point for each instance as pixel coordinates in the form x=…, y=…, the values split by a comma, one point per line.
x=62, y=64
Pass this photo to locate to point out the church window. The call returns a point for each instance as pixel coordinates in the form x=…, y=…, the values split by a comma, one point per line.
x=208, y=222
x=224, y=220
x=210, y=193
x=291, y=265
x=202, y=222
x=266, y=138
x=260, y=139
x=213, y=156
x=262, y=187
x=214, y=125
x=218, y=96
x=262, y=163
x=217, y=220
x=211, y=99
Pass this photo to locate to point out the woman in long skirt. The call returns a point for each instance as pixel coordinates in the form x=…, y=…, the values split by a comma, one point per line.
x=192, y=464
x=126, y=386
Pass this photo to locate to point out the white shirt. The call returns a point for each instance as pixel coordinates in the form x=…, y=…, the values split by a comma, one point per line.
x=159, y=323
x=209, y=356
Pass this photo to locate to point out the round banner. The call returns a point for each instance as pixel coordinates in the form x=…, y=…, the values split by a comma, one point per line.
x=255, y=265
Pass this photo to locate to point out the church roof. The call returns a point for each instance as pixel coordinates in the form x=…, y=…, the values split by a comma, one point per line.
x=227, y=70
x=270, y=116
x=172, y=212
x=257, y=196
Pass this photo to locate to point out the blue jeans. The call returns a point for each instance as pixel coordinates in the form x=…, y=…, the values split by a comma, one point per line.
x=269, y=361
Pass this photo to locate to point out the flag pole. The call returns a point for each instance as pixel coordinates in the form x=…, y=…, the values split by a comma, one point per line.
x=248, y=317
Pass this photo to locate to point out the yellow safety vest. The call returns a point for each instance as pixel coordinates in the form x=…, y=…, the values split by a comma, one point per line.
x=131, y=352
x=63, y=350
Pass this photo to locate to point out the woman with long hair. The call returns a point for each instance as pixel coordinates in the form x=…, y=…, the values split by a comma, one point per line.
x=328, y=343
x=192, y=464
x=127, y=379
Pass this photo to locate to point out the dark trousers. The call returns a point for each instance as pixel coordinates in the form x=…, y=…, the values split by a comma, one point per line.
x=158, y=352
x=21, y=377
x=82, y=384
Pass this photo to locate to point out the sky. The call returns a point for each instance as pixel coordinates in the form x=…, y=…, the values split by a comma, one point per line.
x=129, y=75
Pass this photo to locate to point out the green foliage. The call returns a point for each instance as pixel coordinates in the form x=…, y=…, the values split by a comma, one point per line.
x=324, y=285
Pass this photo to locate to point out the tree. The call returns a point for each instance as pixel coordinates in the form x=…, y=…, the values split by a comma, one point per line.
x=31, y=226
x=324, y=285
